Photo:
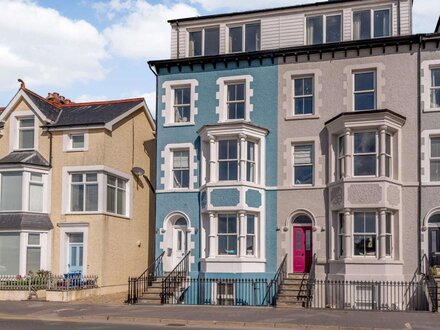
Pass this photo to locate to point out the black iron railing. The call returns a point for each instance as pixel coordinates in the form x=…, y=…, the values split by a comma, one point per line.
x=429, y=283
x=311, y=282
x=139, y=285
x=270, y=298
x=369, y=295
x=174, y=284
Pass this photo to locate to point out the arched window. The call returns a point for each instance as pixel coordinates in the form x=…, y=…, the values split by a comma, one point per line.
x=181, y=222
x=434, y=219
x=302, y=220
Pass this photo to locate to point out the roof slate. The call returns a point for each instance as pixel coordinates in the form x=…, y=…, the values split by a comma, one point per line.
x=26, y=158
x=47, y=108
x=25, y=221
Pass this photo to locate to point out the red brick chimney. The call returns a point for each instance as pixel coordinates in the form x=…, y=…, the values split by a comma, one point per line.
x=57, y=99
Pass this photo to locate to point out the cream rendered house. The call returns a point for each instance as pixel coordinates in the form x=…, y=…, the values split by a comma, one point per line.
x=75, y=191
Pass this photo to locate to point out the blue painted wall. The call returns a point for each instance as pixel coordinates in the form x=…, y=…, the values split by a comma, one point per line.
x=264, y=100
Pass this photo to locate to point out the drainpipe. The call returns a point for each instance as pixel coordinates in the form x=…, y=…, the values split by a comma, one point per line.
x=419, y=142
x=398, y=18
x=50, y=148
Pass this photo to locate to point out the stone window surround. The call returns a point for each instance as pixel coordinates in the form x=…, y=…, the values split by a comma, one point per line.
x=426, y=82
x=426, y=156
x=26, y=171
x=102, y=172
x=167, y=167
x=222, y=96
x=288, y=92
x=348, y=218
x=168, y=101
x=13, y=130
x=67, y=140
x=348, y=83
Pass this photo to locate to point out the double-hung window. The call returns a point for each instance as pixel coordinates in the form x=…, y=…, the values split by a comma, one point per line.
x=303, y=96
x=33, y=256
x=435, y=159
x=365, y=154
x=435, y=88
x=341, y=156
x=11, y=191
x=365, y=90
x=205, y=42
x=250, y=235
x=365, y=234
x=303, y=164
x=244, y=38
x=227, y=234
x=84, y=192
x=388, y=235
x=36, y=192
x=228, y=160
x=77, y=141
x=323, y=28
x=26, y=130
x=182, y=104
x=341, y=230
x=368, y=23
x=116, y=195
x=388, y=156
x=181, y=169
x=250, y=162
x=236, y=101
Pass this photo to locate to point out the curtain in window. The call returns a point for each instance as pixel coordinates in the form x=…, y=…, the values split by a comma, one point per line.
x=303, y=154
x=9, y=253
x=11, y=191
x=35, y=197
x=33, y=259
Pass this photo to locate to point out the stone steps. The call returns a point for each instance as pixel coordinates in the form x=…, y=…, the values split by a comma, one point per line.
x=293, y=292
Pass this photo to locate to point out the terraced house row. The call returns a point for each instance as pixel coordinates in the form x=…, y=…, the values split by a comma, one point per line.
x=299, y=140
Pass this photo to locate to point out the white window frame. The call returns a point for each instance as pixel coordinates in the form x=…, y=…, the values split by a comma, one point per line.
x=167, y=179
x=312, y=164
x=302, y=77
x=236, y=101
x=84, y=183
x=216, y=294
x=252, y=163
x=14, y=136
x=372, y=11
x=68, y=141
x=254, y=235
x=374, y=90
x=202, y=29
x=431, y=158
x=177, y=105
x=433, y=88
x=377, y=153
x=241, y=25
x=118, y=190
x=228, y=234
x=353, y=234
x=389, y=235
x=340, y=235
x=324, y=26
x=229, y=160
x=222, y=97
x=28, y=245
x=389, y=156
x=102, y=172
x=341, y=157
x=181, y=169
x=168, y=100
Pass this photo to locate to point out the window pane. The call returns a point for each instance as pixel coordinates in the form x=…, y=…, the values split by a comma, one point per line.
x=388, y=223
x=252, y=37
x=308, y=240
x=77, y=141
x=222, y=224
x=250, y=245
x=315, y=30
x=435, y=147
x=26, y=139
x=77, y=178
x=381, y=23
x=33, y=239
x=76, y=238
x=388, y=144
x=29, y=122
x=388, y=246
x=232, y=224
x=111, y=199
x=435, y=170
x=121, y=202
x=364, y=165
x=303, y=154
x=91, y=177
x=77, y=198
x=299, y=87
x=35, y=197
x=33, y=259
x=250, y=224
x=370, y=222
x=362, y=25
x=212, y=41
x=359, y=223
x=435, y=77
x=308, y=86
x=435, y=98
x=111, y=180
x=364, y=81
x=334, y=28
x=233, y=149
x=36, y=177
x=364, y=101
x=92, y=197
x=11, y=191
x=365, y=142
x=303, y=174
x=236, y=39
x=9, y=253
x=195, y=43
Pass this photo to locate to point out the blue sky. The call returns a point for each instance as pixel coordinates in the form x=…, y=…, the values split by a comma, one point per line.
x=98, y=49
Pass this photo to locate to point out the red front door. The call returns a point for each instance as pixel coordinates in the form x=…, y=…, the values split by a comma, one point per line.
x=302, y=249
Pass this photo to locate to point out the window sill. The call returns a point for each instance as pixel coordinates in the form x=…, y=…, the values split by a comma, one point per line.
x=237, y=259
x=98, y=213
x=190, y=123
x=366, y=260
x=360, y=179
x=221, y=184
x=75, y=150
x=301, y=117
x=431, y=110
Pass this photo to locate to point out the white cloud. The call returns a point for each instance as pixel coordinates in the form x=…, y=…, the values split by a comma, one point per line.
x=426, y=14
x=212, y=5
x=150, y=98
x=144, y=32
x=90, y=98
x=43, y=47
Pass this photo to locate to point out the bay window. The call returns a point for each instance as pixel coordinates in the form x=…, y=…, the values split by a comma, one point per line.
x=250, y=235
x=388, y=234
x=26, y=131
x=116, y=195
x=33, y=253
x=323, y=28
x=365, y=234
x=205, y=41
x=341, y=156
x=11, y=191
x=435, y=159
x=244, y=38
x=435, y=88
x=368, y=23
x=365, y=154
x=340, y=236
x=84, y=192
x=251, y=162
x=9, y=253
x=303, y=164
x=227, y=234
x=36, y=192
x=228, y=160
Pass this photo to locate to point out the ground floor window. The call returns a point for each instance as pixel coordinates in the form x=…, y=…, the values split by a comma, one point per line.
x=33, y=253
x=9, y=253
x=225, y=294
x=365, y=234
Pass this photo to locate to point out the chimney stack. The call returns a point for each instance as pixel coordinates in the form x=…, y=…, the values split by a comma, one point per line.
x=57, y=99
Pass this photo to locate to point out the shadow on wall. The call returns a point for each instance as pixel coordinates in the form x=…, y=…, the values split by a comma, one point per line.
x=150, y=179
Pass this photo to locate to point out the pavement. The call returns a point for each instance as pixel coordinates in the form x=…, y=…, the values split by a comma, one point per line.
x=215, y=316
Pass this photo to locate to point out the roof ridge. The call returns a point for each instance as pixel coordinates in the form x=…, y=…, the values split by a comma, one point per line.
x=40, y=97
x=102, y=102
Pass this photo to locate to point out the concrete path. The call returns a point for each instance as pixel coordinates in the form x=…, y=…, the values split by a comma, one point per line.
x=207, y=316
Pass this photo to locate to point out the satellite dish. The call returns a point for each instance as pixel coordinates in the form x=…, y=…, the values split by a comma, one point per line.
x=138, y=171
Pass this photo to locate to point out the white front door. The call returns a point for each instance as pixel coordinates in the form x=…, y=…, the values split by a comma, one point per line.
x=179, y=244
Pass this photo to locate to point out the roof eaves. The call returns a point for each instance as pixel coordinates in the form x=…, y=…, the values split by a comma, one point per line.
x=359, y=113
x=437, y=27
x=83, y=104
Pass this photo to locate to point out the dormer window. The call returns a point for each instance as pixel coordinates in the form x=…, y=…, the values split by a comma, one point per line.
x=368, y=23
x=244, y=38
x=323, y=28
x=204, y=42
x=26, y=133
